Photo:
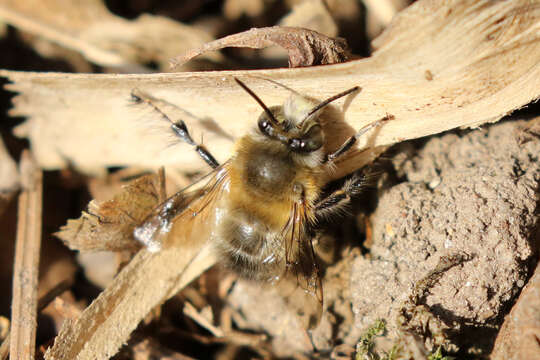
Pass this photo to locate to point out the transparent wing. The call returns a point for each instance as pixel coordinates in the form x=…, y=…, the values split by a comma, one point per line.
x=301, y=285
x=186, y=205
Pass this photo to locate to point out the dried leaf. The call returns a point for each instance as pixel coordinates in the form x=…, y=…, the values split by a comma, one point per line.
x=305, y=47
x=109, y=226
x=490, y=69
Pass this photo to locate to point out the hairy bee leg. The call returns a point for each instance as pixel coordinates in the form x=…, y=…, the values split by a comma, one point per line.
x=178, y=127
x=352, y=140
x=337, y=201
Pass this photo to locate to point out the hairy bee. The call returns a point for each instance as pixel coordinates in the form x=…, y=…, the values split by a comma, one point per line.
x=263, y=204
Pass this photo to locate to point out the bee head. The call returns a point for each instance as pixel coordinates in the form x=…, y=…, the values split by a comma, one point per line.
x=296, y=123
x=302, y=137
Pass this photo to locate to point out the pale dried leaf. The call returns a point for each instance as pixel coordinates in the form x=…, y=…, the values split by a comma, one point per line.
x=109, y=226
x=89, y=28
x=304, y=47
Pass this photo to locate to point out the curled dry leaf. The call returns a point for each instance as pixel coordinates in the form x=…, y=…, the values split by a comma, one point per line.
x=305, y=47
x=109, y=226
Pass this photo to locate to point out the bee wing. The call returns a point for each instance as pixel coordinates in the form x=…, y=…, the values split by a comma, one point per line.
x=301, y=286
x=186, y=204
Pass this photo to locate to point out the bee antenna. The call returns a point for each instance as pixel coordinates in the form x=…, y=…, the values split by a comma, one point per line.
x=328, y=101
x=259, y=101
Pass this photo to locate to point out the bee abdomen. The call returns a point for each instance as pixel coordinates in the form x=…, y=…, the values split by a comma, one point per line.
x=250, y=248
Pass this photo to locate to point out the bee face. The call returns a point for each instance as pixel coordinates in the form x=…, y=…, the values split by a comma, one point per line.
x=300, y=135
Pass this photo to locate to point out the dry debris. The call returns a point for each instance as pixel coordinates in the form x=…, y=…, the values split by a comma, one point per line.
x=469, y=196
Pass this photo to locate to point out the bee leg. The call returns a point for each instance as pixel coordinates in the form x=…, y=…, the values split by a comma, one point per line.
x=178, y=127
x=337, y=202
x=181, y=130
x=352, y=140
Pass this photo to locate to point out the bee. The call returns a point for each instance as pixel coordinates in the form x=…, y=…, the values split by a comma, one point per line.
x=262, y=206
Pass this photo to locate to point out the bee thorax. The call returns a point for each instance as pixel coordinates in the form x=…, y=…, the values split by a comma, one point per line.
x=269, y=174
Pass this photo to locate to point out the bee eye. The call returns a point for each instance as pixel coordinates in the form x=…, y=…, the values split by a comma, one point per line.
x=304, y=145
x=296, y=144
x=264, y=126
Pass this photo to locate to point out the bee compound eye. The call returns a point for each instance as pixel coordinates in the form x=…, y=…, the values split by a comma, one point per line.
x=296, y=144
x=265, y=126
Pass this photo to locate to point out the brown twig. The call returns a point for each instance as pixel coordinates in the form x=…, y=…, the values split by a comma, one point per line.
x=25, y=276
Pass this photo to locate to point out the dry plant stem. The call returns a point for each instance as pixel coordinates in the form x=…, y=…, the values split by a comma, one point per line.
x=147, y=281
x=484, y=57
x=25, y=274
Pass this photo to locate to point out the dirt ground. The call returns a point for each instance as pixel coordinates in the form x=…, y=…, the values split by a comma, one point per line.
x=473, y=194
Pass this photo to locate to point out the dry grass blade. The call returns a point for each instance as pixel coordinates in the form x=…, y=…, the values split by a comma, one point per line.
x=25, y=277
x=484, y=60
